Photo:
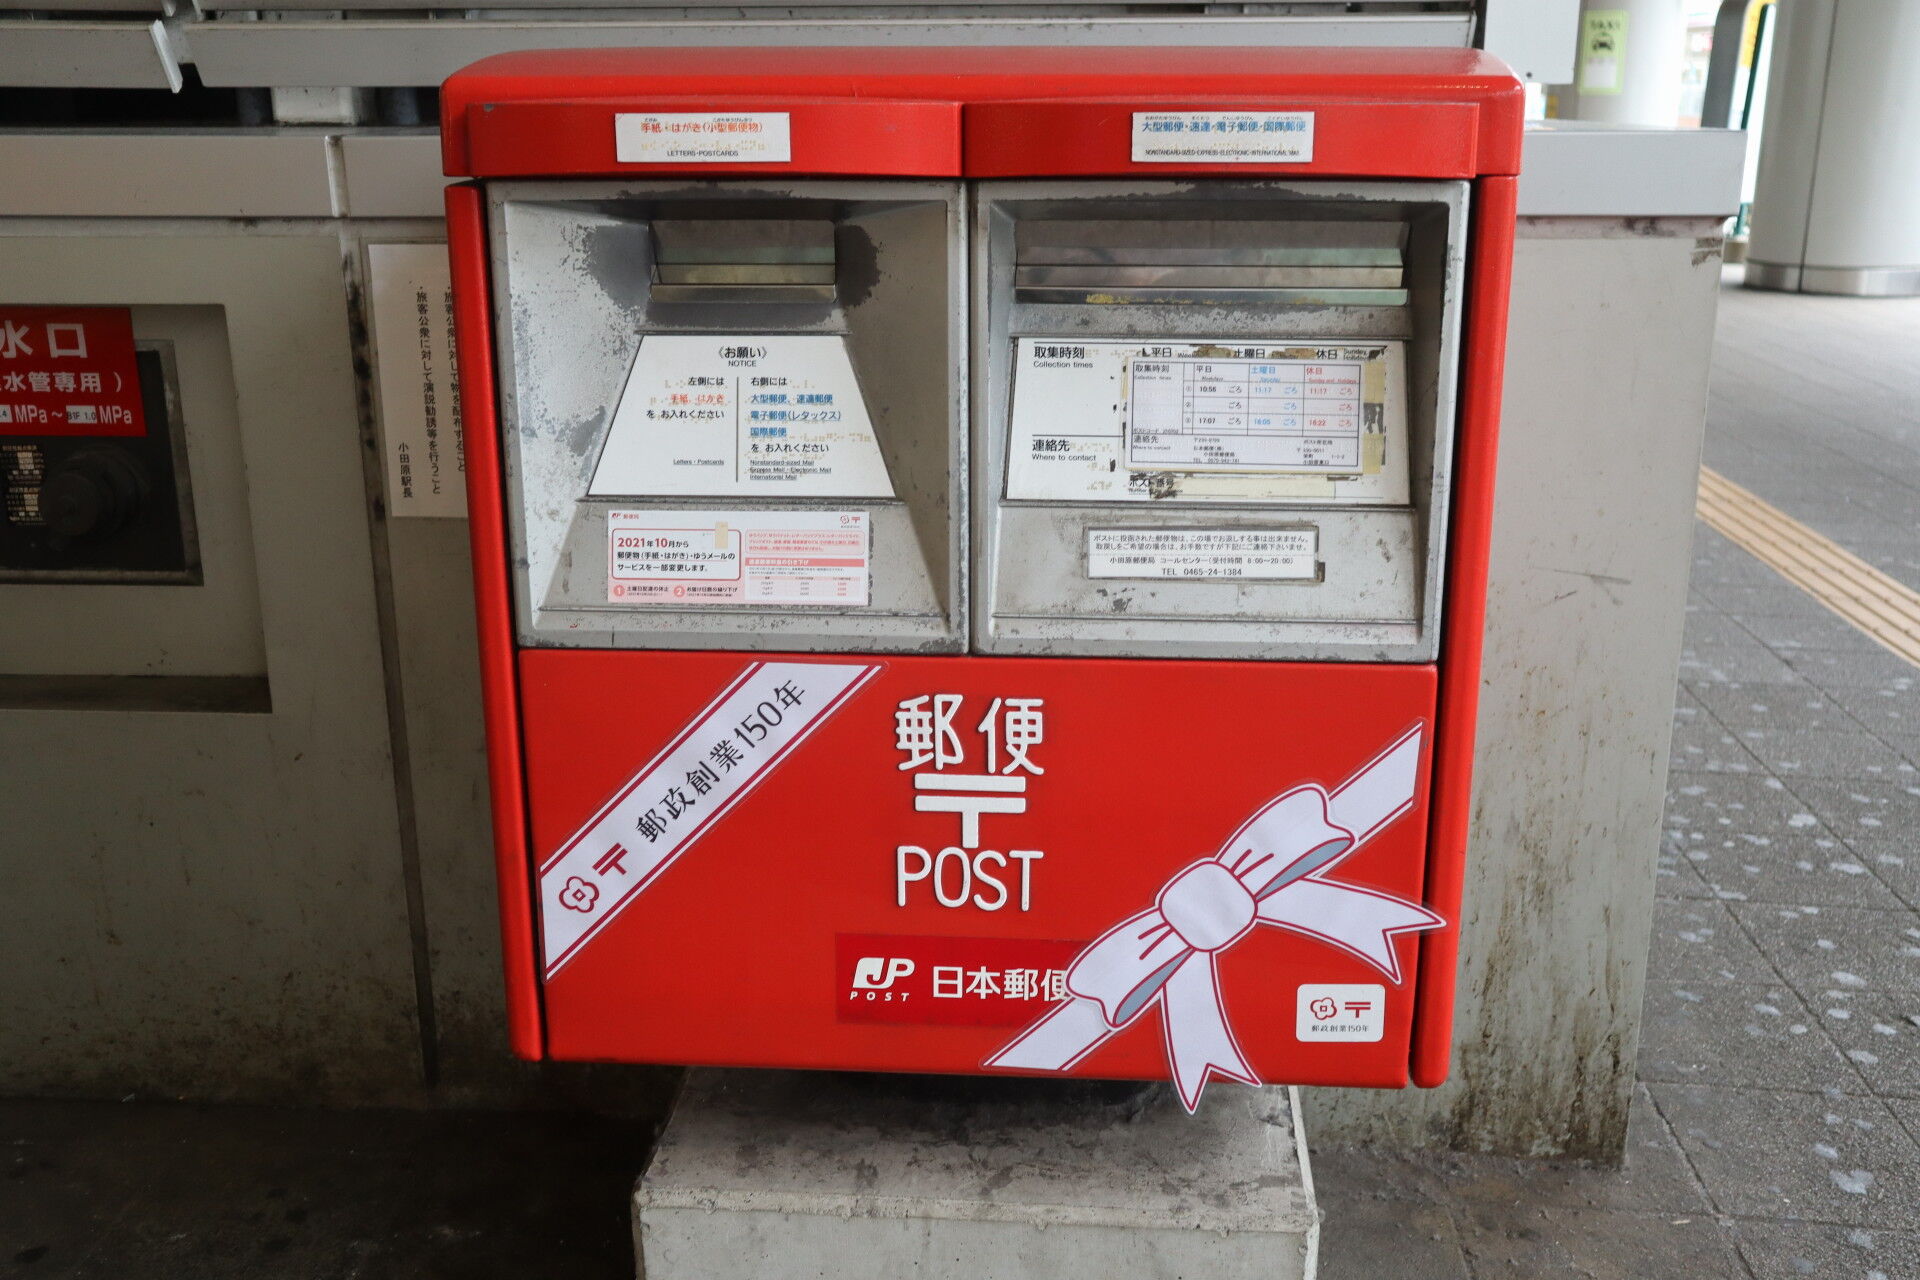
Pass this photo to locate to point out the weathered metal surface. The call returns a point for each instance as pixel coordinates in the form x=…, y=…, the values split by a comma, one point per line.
x=576, y=291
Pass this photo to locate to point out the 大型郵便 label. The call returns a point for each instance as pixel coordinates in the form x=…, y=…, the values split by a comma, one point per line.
x=702, y=137
x=737, y=557
x=1284, y=555
x=1222, y=137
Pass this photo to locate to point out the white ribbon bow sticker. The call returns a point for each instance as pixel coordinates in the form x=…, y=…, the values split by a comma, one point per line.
x=1271, y=871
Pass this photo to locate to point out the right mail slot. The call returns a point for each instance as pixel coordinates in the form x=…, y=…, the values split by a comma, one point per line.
x=1216, y=416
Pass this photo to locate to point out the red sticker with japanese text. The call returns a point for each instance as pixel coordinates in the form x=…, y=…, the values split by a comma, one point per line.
x=69, y=371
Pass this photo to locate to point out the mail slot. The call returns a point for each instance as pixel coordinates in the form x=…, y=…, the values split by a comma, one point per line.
x=981, y=553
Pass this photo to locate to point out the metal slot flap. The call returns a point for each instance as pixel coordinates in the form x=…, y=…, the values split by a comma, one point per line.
x=1261, y=263
x=743, y=260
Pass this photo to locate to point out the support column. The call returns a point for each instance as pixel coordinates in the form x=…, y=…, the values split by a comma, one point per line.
x=1836, y=208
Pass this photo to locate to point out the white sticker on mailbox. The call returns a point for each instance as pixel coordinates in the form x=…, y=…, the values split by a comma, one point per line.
x=1228, y=555
x=716, y=415
x=737, y=557
x=702, y=137
x=1208, y=413
x=1222, y=137
x=1341, y=1011
x=1233, y=420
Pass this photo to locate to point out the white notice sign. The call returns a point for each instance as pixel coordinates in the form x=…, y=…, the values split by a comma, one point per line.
x=1280, y=421
x=702, y=137
x=1222, y=137
x=776, y=415
x=737, y=557
x=1239, y=555
x=1192, y=413
x=412, y=304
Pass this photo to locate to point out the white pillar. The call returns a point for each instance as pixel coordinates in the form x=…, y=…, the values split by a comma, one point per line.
x=1627, y=70
x=1836, y=206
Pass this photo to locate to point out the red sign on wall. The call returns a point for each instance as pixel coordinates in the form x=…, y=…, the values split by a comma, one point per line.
x=69, y=371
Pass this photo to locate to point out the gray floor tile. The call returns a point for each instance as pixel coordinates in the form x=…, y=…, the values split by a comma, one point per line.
x=1907, y=744
x=1701, y=745
x=1726, y=1033
x=1907, y=1110
x=1790, y=751
x=1841, y=947
x=1797, y=705
x=1728, y=664
x=1801, y=632
x=1776, y=599
x=1796, y=878
x=1894, y=860
x=1818, y=1251
x=1749, y=838
x=1854, y=668
x=1674, y=876
x=1701, y=942
x=1879, y=1031
x=1776, y=1154
x=1708, y=628
x=1880, y=710
x=1524, y=1242
x=1364, y=1236
x=1857, y=809
x=284, y=1194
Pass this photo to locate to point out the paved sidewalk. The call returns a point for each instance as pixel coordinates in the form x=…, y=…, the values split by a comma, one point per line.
x=1774, y=1132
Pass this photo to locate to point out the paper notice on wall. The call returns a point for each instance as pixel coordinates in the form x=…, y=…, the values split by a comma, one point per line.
x=1603, y=51
x=702, y=137
x=1205, y=555
x=777, y=415
x=1222, y=137
x=738, y=557
x=411, y=299
x=1111, y=421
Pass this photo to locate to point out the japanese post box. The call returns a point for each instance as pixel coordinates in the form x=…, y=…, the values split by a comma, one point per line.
x=981, y=553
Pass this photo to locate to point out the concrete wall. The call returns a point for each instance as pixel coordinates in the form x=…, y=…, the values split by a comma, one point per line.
x=1606, y=389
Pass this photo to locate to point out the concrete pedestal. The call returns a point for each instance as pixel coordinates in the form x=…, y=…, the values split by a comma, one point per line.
x=784, y=1175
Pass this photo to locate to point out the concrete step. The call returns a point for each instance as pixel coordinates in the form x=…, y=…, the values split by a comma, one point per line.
x=789, y=1175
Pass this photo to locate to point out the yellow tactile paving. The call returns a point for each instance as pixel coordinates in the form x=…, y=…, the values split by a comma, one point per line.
x=1885, y=608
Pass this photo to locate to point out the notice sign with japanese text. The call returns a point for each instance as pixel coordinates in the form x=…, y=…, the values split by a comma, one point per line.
x=1245, y=555
x=1192, y=413
x=69, y=371
x=1226, y=137
x=744, y=557
x=741, y=414
x=702, y=137
x=1100, y=420
x=412, y=303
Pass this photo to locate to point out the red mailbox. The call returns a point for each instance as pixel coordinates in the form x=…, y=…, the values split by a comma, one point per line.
x=981, y=553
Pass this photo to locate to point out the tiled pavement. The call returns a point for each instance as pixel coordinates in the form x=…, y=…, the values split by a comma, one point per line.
x=1776, y=1132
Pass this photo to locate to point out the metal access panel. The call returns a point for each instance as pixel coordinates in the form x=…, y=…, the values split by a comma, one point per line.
x=734, y=412
x=93, y=456
x=1216, y=417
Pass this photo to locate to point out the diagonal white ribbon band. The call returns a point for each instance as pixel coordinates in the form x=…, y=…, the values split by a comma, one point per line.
x=1271, y=871
x=712, y=763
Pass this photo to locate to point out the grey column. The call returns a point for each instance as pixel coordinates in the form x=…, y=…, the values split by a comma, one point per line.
x=1836, y=208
